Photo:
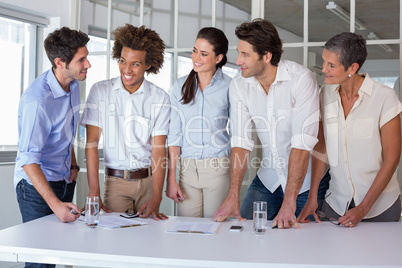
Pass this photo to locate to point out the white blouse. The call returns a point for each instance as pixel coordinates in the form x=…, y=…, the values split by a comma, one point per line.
x=354, y=144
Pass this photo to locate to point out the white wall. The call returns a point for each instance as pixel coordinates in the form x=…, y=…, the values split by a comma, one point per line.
x=9, y=211
x=43, y=8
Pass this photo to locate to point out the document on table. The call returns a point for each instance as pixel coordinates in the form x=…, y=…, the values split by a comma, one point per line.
x=113, y=220
x=194, y=227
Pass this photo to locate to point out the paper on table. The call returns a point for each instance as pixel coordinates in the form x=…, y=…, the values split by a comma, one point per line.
x=194, y=227
x=113, y=220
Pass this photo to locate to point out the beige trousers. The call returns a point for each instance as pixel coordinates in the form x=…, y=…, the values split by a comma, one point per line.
x=205, y=184
x=121, y=194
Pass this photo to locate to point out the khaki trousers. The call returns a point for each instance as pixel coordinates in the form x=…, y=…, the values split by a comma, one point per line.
x=205, y=184
x=121, y=194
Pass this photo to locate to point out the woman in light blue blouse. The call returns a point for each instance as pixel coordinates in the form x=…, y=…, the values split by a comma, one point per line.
x=198, y=134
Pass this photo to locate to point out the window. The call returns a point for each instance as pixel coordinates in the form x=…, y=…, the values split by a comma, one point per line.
x=17, y=40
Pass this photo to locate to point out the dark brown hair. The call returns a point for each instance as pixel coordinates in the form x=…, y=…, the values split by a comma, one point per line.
x=64, y=43
x=264, y=37
x=141, y=39
x=220, y=45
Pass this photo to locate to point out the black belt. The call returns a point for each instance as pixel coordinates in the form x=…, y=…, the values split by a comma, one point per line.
x=134, y=174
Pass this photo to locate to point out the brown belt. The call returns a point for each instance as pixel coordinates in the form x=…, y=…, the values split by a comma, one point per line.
x=135, y=174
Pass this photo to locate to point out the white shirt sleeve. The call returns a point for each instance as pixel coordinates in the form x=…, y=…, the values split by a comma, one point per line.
x=162, y=116
x=241, y=119
x=305, y=114
x=92, y=111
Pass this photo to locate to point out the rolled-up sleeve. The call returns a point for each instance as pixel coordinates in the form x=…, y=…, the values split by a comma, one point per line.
x=305, y=114
x=162, y=117
x=391, y=108
x=34, y=131
x=241, y=126
x=91, y=114
x=175, y=137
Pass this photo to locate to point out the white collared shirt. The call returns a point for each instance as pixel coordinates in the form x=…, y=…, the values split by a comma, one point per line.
x=286, y=118
x=354, y=144
x=128, y=121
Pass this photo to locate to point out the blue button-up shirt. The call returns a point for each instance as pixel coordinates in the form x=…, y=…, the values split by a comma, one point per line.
x=47, y=123
x=200, y=128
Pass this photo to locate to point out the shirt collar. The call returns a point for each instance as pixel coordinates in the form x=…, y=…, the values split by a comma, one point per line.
x=144, y=88
x=282, y=73
x=55, y=87
x=217, y=76
x=366, y=87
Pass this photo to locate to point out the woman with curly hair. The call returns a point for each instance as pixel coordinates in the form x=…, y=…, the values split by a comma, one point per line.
x=132, y=114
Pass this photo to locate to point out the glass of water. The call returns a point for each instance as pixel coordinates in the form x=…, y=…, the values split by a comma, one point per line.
x=92, y=211
x=260, y=217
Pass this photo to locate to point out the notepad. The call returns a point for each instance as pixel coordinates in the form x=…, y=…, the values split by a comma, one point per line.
x=191, y=227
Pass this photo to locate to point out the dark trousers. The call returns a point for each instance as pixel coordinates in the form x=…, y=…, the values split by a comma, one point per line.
x=258, y=192
x=33, y=206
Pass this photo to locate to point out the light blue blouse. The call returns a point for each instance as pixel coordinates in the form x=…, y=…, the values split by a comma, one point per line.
x=200, y=128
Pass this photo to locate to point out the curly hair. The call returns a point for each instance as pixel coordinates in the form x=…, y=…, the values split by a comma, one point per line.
x=142, y=39
x=63, y=43
x=264, y=37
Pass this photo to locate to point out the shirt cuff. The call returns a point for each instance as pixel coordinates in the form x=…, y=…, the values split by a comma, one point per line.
x=174, y=140
x=28, y=158
x=159, y=133
x=304, y=142
x=390, y=114
x=240, y=142
x=84, y=123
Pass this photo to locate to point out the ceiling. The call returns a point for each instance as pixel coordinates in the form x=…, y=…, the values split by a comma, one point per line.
x=379, y=16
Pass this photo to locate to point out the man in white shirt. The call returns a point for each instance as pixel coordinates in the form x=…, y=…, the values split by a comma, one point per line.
x=281, y=98
x=133, y=115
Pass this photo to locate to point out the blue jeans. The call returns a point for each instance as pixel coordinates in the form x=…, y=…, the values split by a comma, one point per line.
x=33, y=206
x=258, y=192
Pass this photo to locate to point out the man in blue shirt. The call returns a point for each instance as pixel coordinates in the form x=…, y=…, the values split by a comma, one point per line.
x=46, y=169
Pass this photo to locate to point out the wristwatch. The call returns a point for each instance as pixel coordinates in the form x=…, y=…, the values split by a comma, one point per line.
x=75, y=167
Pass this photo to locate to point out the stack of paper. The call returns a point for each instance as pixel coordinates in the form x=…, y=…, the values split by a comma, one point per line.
x=113, y=220
x=194, y=227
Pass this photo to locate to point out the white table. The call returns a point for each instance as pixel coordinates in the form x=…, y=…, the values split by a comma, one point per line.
x=314, y=245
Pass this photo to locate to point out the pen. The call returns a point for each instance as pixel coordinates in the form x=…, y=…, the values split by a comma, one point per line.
x=188, y=231
x=74, y=212
x=130, y=217
x=131, y=225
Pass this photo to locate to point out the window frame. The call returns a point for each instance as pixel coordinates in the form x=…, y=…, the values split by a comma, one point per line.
x=8, y=153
